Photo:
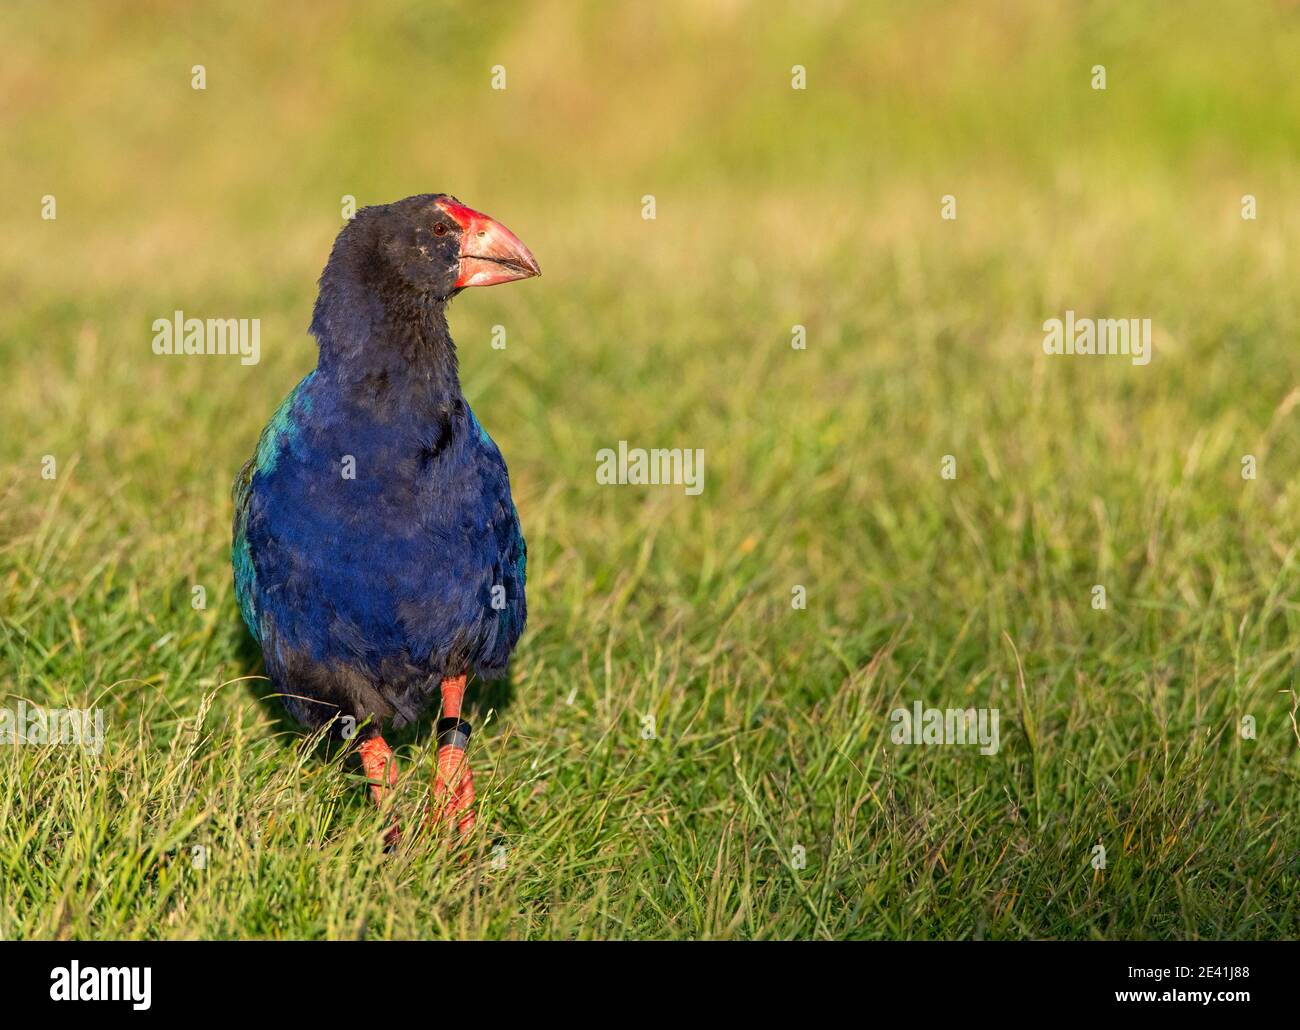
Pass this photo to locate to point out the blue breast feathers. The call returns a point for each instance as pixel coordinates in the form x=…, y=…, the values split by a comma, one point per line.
x=378, y=540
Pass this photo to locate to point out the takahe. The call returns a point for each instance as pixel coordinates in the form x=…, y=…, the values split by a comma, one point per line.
x=377, y=551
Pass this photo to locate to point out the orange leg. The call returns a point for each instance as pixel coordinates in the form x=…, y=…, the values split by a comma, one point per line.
x=381, y=770
x=454, y=787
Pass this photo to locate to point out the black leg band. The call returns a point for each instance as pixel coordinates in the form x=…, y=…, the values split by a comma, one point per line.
x=453, y=733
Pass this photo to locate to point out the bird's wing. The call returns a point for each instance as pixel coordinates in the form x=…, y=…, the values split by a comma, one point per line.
x=277, y=430
x=241, y=555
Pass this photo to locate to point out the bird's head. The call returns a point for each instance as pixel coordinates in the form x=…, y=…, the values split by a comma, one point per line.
x=433, y=243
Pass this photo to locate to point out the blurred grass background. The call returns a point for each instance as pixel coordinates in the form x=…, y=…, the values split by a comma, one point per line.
x=775, y=207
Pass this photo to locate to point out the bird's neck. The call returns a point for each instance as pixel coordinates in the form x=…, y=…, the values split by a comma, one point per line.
x=388, y=351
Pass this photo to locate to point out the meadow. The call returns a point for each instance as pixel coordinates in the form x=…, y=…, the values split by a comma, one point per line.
x=918, y=505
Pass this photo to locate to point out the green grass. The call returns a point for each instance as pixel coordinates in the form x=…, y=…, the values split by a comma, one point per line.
x=775, y=207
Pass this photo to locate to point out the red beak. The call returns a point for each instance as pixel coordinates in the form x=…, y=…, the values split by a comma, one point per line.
x=489, y=252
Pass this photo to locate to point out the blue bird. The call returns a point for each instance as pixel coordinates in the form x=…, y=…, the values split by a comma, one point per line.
x=377, y=551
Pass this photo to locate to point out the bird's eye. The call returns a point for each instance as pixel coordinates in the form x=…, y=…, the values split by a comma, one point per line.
x=440, y=230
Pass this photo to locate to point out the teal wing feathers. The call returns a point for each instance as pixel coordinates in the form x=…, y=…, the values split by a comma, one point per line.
x=276, y=432
x=241, y=557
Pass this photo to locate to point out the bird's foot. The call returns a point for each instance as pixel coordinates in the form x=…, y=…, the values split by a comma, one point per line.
x=453, y=788
x=381, y=770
